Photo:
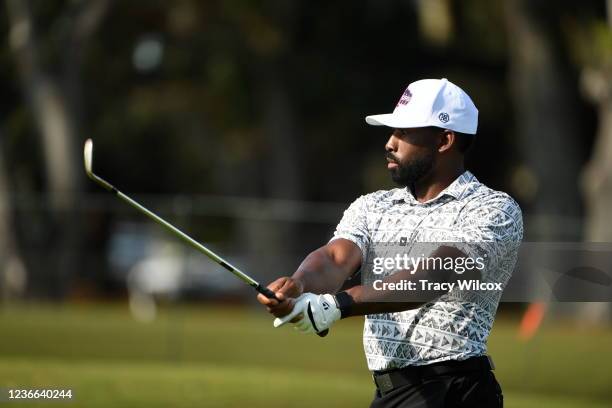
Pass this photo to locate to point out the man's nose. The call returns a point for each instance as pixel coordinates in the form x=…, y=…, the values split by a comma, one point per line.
x=391, y=145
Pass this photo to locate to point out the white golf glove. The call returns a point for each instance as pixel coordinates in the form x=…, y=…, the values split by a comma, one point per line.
x=319, y=312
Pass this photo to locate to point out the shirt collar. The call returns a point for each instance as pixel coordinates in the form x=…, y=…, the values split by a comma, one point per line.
x=455, y=190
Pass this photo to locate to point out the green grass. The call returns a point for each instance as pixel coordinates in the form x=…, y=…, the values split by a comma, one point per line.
x=215, y=357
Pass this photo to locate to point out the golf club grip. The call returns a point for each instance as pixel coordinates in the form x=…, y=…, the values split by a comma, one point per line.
x=266, y=292
x=270, y=295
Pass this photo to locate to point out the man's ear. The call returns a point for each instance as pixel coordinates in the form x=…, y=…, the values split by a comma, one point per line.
x=446, y=141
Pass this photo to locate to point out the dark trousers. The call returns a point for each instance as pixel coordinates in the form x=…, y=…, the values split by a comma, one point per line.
x=474, y=389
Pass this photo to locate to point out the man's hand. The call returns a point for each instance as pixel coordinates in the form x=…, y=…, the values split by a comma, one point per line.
x=318, y=313
x=286, y=290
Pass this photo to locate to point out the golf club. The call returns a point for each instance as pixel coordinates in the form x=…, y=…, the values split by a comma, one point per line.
x=88, y=157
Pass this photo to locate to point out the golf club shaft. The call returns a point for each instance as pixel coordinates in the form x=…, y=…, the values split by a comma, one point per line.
x=186, y=238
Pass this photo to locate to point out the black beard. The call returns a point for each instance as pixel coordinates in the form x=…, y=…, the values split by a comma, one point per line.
x=408, y=173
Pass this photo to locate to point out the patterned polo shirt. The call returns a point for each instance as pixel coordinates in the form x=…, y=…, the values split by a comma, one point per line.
x=456, y=325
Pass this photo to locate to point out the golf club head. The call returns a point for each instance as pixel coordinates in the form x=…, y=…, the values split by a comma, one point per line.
x=88, y=157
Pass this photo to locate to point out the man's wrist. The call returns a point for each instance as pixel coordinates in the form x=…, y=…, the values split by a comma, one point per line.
x=345, y=303
x=299, y=283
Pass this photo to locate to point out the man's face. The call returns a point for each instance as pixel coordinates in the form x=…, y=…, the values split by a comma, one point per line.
x=411, y=154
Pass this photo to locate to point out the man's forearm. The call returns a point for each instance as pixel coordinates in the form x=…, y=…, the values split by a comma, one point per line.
x=365, y=299
x=361, y=302
x=320, y=273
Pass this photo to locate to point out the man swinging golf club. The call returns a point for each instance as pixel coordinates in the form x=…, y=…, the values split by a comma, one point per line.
x=432, y=353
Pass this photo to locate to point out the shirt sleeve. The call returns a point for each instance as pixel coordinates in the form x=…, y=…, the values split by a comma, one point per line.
x=354, y=227
x=493, y=231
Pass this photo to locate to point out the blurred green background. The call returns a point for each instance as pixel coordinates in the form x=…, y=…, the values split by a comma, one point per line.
x=218, y=356
x=242, y=122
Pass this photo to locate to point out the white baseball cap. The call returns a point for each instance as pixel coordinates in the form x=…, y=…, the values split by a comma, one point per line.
x=431, y=102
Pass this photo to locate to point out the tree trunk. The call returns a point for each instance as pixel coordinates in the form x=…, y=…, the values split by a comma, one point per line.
x=597, y=175
x=546, y=128
x=277, y=242
x=13, y=275
x=53, y=103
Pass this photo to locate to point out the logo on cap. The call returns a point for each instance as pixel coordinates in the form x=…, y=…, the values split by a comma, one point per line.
x=406, y=96
x=443, y=117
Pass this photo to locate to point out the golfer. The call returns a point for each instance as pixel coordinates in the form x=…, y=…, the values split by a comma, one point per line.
x=431, y=354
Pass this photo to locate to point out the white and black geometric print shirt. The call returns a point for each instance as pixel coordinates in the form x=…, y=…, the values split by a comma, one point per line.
x=454, y=326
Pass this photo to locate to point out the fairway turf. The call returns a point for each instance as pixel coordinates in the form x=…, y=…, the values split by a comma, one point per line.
x=215, y=357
